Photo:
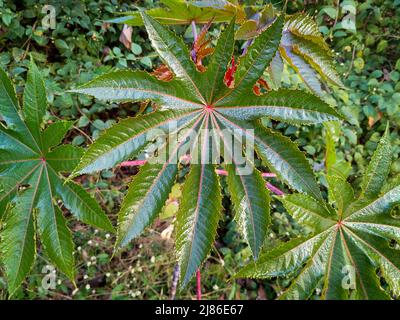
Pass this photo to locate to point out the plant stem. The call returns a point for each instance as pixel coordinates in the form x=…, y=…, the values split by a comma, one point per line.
x=274, y=189
x=175, y=277
x=198, y=282
x=220, y=172
x=194, y=32
x=246, y=46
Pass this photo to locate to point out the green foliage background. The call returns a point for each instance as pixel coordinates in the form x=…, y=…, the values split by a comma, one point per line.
x=83, y=46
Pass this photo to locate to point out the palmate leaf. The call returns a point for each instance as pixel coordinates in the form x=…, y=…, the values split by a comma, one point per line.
x=350, y=248
x=192, y=103
x=30, y=164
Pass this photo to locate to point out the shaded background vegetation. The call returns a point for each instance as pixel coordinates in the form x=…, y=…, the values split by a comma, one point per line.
x=84, y=45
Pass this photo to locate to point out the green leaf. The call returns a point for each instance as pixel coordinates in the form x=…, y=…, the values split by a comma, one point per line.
x=291, y=106
x=305, y=50
x=18, y=245
x=213, y=83
x=9, y=109
x=275, y=70
x=286, y=160
x=137, y=86
x=306, y=73
x=54, y=233
x=283, y=260
x=54, y=133
x=369, y=207
x=11, y=178
x=367, y=284
x=64, y=158
x=10, y=113
x=251, y=203
x=332, y=130
x=309, y=277
x=340, y=193
x=149, y=190
x=320, y=59
x=29, y=185
x=378, y=169
x=348, y=255
x=249, y=196
x=174, y=53
x=122, y=140
x=308, y=211
x=35, y=102
x=258, y=57
x=282, y=156
x=306, y=28
x=197, y=219
x=146, y=197
x=181, y=12
x=248, y=30
x=81, y=204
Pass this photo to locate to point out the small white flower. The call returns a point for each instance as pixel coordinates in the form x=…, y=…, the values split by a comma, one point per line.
x=90, y=242
x=59, y=282
x=87, y=287
x=89, y=264
x=108, y=274
x=215, y=287
x=85, y=276
x=107, y=235
x=153, y=259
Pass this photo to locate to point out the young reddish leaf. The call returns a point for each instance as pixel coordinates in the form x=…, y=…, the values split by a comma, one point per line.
x=229, y=78
x=201, y=47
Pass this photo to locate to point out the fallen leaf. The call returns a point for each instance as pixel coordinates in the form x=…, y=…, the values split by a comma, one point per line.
x=126, y=36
